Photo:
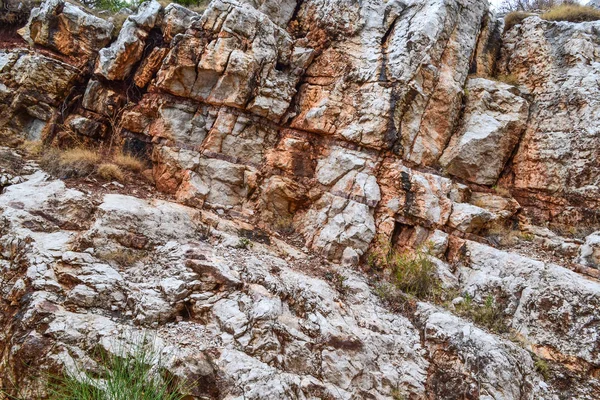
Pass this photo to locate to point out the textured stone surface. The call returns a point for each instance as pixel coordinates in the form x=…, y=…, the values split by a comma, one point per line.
x=117, y=61
x=558, y=154
x=589, y=254
x=493, y=121
x=32, y=87
x=66, y=28
x=258, y=319
x=296, y=136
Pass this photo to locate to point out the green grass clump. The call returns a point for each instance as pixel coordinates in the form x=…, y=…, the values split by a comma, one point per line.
x=134, y=375
x=572, y=13
x=412, y=272
x=542, y=367
x=415, y=274
x=244, y=243
x=115, y=5
x=488, y=315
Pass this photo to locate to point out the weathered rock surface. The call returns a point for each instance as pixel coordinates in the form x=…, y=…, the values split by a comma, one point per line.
x=557, y=161
x=493, y=121
x=32, y=87
x=66, y=28
x=345, y=128
x=243, y=318
x=116, y=61
x=589, y=253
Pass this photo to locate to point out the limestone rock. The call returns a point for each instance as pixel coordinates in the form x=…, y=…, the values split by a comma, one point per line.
x=68, y=29
x=334, y=223
x=294, y=135
x=589, y=253
x=260, y=77
x=262, y=339
x=85, y=126
x=543, y=301
x=469, y=218
x=102, y=100
x=493, y=121
x=116, y=62
x=177, y=20
x=558, y=155
x=32, y=87
x=464, y=351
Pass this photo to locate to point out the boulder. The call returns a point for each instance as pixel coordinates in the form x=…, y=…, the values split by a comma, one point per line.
x=117, y=61
x=68, y=29
x=589, y=253
x=495, y=116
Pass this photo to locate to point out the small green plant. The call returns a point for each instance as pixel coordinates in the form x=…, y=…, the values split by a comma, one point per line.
x=136, y=374
x=245, y=243
x=541, y=366
x=528, y=237
x=398, y=395
x=501, y=191
x=114, y=5
x=414, y=273
x=338, y=280
x=194, y=5
x=488, y=315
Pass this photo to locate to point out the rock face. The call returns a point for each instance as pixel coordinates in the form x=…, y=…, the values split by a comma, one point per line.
x=557, y=162
x=240, y=318
x=33, y=87
x=349, y=128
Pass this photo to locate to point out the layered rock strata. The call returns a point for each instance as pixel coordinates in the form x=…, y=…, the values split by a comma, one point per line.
x=360, y=126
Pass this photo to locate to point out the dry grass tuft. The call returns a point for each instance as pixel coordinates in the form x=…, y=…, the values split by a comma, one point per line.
x=70, y=163
x=32, y=147
x=110, y=172
x=122, y=256
x=509, y=79
x=514, y=18
x=128, y=162
x=79, y=162
x=572, y=13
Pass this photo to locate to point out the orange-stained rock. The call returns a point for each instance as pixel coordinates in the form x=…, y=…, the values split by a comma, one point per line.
x=68, y=29
x=559, y=155
x=149, y=67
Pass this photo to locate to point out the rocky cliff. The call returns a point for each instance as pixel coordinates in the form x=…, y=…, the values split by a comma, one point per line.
x=288, y=143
